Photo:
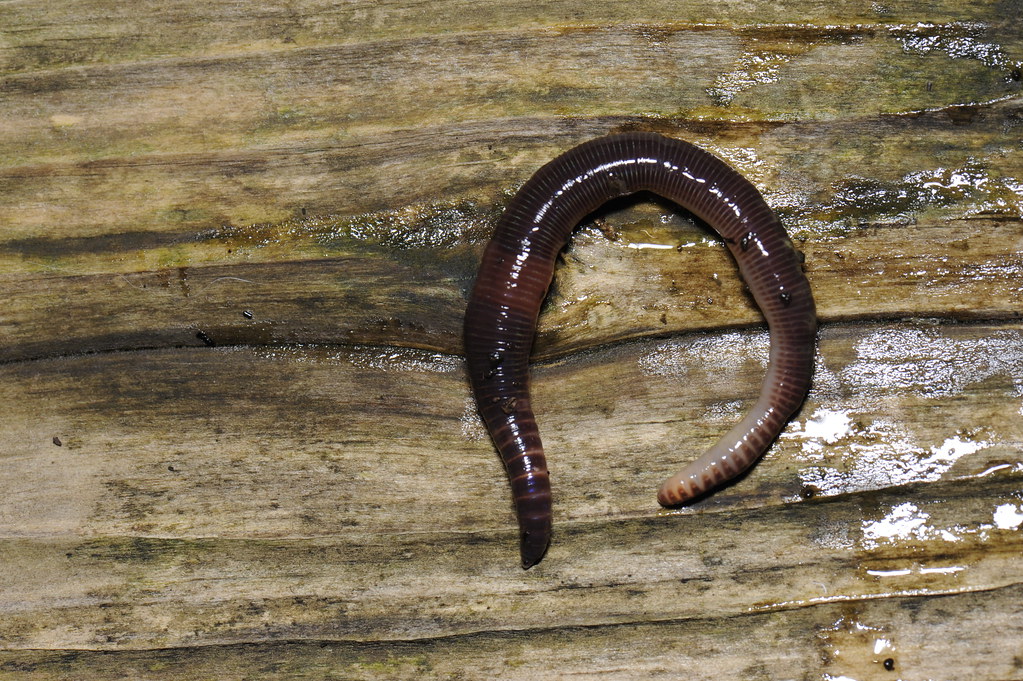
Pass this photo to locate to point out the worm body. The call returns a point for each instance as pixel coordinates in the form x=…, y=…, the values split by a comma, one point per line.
x=517, y=269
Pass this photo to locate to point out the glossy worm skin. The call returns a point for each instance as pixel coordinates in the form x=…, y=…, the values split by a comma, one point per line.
x=517, y=269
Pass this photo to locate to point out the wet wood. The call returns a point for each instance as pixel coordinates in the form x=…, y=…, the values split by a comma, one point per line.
x=237, y=436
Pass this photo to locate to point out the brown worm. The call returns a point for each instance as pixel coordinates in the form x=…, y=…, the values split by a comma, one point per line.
x=517, y=269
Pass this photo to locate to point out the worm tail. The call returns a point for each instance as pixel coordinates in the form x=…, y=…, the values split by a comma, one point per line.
x=789, y=374
x=498, y=338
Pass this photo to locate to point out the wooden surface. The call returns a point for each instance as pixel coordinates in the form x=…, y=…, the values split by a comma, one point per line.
x=237, y=439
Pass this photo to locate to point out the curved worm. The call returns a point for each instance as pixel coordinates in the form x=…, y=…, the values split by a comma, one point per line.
x=517, y=269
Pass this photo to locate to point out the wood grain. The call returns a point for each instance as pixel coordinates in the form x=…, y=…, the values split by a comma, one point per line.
x=845, y=642
x=235, y=245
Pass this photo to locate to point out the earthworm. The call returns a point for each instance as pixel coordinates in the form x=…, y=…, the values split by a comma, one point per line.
x=517, y=269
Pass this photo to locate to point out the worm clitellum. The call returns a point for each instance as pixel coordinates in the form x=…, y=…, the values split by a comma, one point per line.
x=517, y=268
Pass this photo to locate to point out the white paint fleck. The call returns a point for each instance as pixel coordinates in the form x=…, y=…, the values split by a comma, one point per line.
x=1008, y=516
x=828, y=425
x=903, y=522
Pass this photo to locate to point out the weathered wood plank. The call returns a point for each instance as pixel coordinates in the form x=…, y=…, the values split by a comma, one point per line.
x=851, y=640
x=122, y=592
x=178, y=174
x=103, y=31
x=192, y=187
x=266, y=133
x=873, y=246
x=288, y=442
x=648, y=278
x=208, y=497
